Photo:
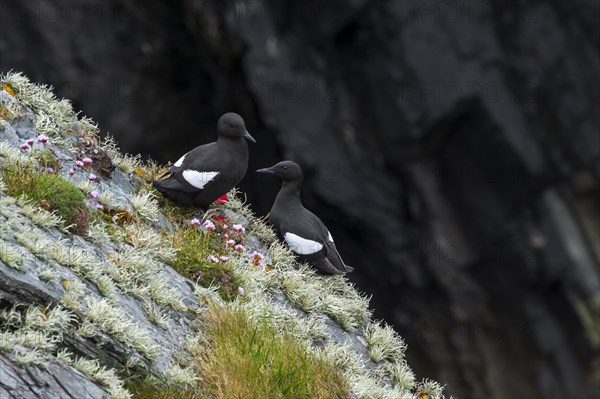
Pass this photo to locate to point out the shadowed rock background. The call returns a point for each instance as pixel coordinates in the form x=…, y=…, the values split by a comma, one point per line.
x=453, y=149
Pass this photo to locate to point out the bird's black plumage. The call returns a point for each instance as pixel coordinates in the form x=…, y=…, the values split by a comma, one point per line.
x=210, y=170
x=301, y=229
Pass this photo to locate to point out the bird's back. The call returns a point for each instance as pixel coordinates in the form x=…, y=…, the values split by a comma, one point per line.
x=218, y=168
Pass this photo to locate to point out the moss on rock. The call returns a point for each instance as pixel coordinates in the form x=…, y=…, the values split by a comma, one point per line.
x=51, y=192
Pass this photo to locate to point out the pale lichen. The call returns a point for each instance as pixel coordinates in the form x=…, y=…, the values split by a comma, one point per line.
x=384, y=342
x=400, y=374
x=155, y=314
x=115, y=322
x=180, y=376
x=53, y=116
x=145, y=205
x=31, y=358
x=40, y=216
x=54, y=321
x=107, y=378
x=74, y=291
x=10, y=255
x=302, y=291
x=127, y=163
x=430, y=389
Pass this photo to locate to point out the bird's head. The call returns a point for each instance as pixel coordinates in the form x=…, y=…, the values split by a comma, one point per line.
x=285, y=170
x=232, y=125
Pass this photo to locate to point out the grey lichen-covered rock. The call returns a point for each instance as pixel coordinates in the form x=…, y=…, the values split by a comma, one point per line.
x=79, y=312
x=55, y=380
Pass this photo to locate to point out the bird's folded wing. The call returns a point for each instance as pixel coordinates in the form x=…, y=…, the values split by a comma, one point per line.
x=196, y=179
x=301, y=245
x=305, y=233
x=187, y=181
x=202, y=158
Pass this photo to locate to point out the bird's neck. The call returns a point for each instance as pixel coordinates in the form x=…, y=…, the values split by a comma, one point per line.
x=232, y=143
x=290, y=193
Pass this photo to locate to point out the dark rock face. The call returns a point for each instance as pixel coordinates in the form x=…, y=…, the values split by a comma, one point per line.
x=56, y=381
x=452, y=149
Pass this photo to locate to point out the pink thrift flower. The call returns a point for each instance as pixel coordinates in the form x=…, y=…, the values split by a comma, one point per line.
x=257, y=258
x=94, y=195
x=225, y=227
x=195, y=222
x=42, y=138
x=30, y=141
x=79, y=164
x=213, y=259
x=24, y=146
x=71, y=172
x=230, y=243
x=87, y=161
x=224, y=259
x=241, y=291
x=238, y=228
x=239, y=248
x=99, y=207
x=49, y=170
x=210, y=226
x=92, y=177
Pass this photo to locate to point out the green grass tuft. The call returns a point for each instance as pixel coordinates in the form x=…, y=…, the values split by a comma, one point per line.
x=192, y=261
x=253, y=360
x=151, y=388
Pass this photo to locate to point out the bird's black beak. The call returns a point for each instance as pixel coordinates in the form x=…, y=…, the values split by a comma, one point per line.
x=266, y=170
x=248, y=137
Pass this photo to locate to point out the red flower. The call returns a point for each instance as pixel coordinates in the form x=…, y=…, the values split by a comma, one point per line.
x=218, y=219
x=221, y=200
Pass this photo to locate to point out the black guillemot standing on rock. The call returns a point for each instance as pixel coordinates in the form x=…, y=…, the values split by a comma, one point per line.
x=210, y=170
x=301, y=229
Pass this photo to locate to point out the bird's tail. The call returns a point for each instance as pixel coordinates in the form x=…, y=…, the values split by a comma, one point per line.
x=158, y=185
x=349, y=269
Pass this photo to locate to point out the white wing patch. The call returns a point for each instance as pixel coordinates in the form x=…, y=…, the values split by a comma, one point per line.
x=198, y=179
x=329, y=236
x=179, y=161
x=302, y=246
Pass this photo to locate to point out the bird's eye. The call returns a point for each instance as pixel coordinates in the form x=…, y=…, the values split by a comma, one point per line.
x=285, y=168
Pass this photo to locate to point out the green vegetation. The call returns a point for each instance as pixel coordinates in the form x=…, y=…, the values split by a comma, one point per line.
x=49, y=191
x=243, y=357
x=193, y=261
x=47, y=159
x=149, y=388
x=252, y=360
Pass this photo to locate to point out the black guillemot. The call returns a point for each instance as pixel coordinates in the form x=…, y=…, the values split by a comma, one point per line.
x=211, y=170
x=301, y=229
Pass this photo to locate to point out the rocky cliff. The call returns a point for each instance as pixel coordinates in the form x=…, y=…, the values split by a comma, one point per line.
x=89, y=302
x=461, y=141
